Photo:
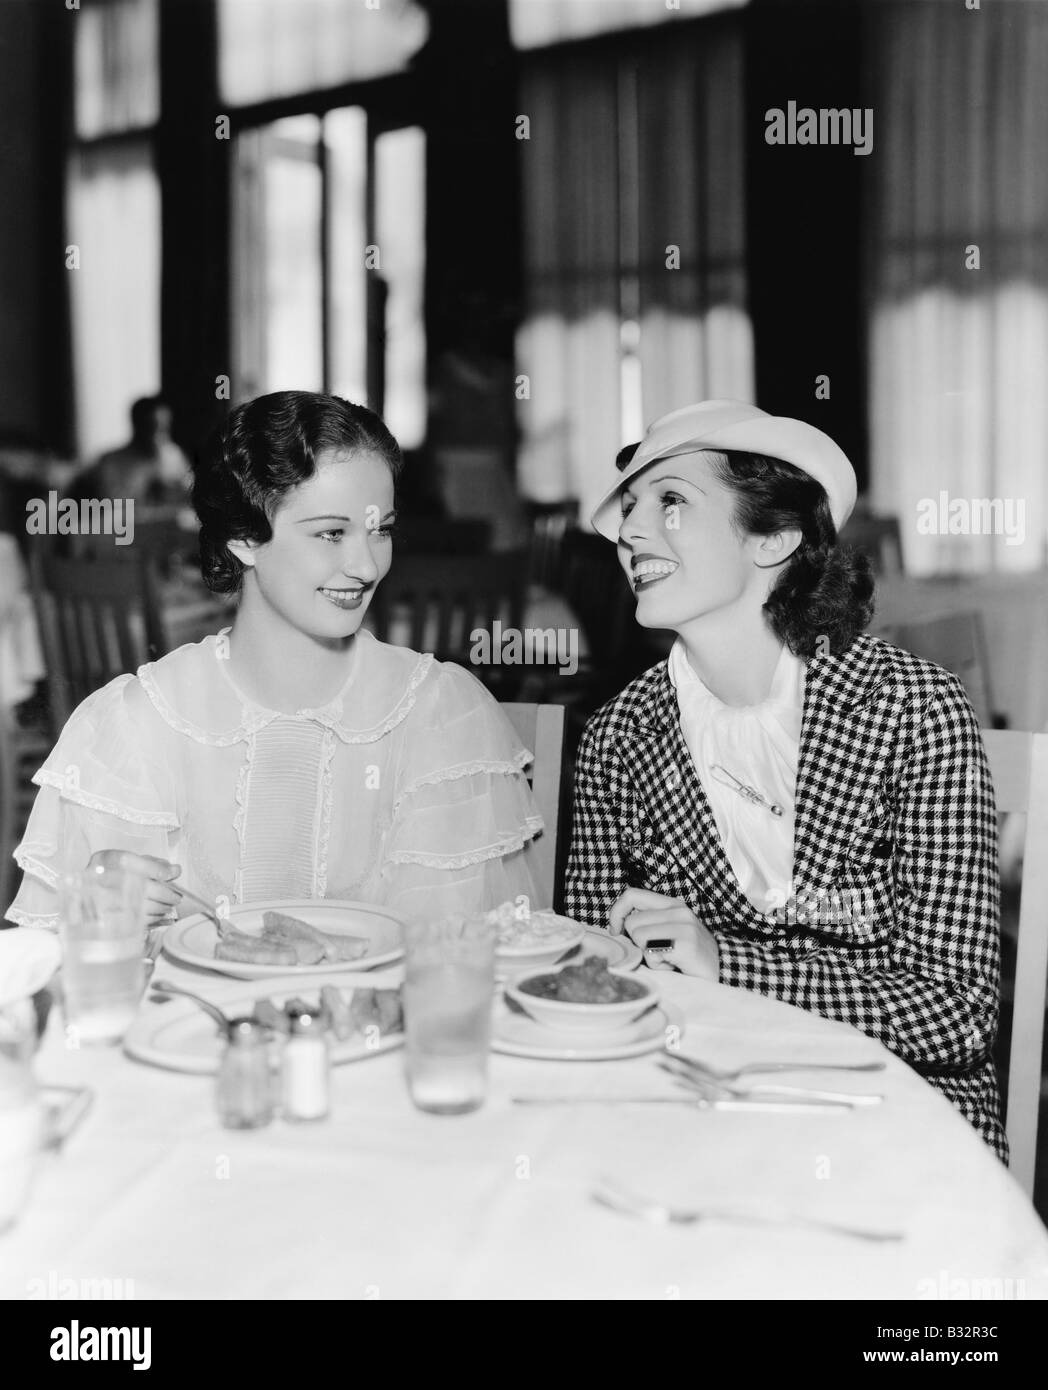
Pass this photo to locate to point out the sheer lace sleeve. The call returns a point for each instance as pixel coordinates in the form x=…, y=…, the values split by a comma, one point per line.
x=463, y=814
x=103, y=786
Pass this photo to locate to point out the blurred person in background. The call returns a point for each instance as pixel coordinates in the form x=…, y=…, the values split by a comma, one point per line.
x=150, y=469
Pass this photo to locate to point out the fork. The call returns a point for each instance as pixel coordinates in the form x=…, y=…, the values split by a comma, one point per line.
x=615, y=1197
x=706, y=1086
x=733, y=1074
x=207, y=908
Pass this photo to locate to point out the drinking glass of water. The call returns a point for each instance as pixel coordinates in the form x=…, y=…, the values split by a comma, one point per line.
x=102, y=926
x=449, y=977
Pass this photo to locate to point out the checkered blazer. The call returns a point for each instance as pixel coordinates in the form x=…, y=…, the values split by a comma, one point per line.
x=895, y=827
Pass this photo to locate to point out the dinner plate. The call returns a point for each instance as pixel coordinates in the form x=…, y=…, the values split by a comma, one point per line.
x=619, y=951
x=520, y=1036
x=179, y=1036
x=192, y=940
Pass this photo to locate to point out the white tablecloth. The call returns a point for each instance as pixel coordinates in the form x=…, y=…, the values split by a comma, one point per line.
x=382, y=1201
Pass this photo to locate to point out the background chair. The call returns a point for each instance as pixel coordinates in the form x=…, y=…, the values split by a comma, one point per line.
x=434, y=603
x=549, y=523
x=541, y=729
x=1019, y=768
x=957, y=642
x=98, y=619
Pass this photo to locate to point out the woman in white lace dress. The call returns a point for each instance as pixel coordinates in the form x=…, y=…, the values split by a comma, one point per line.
x=292, y=755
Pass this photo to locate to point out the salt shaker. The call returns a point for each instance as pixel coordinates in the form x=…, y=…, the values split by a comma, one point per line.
x=306, y=1065
x=245, y=1085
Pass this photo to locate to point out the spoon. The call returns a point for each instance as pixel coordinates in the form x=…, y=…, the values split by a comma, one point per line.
x=166, y=988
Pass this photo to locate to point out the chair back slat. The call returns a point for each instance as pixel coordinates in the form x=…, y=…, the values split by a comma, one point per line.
x=1019, y=769
x=98, y=619
x=435, y=602
x=541, y=729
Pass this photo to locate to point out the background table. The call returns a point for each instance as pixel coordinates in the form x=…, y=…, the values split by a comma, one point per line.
x=382, y=1201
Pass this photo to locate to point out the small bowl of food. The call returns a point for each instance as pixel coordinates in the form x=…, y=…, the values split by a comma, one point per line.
x=585, y=998
x=532, y=941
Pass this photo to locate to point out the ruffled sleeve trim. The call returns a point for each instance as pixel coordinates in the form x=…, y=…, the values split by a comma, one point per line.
x=33, y=920
x=29, y=864
x=71, y=792
x=453, y=774
x=508, y=844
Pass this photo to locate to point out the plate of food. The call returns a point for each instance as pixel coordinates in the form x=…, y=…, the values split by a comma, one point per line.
x=583, y=997
x=520, y=1036
x=177, y=1035
x=529, y=941
x=619, y=951
x=272, y=939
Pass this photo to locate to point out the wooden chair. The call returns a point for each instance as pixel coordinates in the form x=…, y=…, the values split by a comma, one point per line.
x=98, y=619
x=957, y=642
x=435, y=603
x=878, y=537
x=550, y=523
x=1019, y=768
x=541, y=729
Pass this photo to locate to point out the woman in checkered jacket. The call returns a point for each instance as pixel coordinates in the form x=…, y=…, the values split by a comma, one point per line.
x=787, y=804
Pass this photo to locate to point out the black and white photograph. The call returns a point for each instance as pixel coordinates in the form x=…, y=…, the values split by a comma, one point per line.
x=523, y=662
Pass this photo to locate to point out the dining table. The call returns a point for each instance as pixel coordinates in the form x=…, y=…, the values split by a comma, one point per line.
x=383, y=1201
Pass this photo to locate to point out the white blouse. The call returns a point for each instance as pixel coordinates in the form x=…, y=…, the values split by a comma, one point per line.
x=407, y=789
x=755, y=746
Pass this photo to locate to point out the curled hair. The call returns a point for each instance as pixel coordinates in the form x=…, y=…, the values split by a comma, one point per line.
x=825, y=589
x=265, y=448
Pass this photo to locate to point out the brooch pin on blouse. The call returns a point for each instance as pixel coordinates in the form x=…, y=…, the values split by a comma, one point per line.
x=728, y=779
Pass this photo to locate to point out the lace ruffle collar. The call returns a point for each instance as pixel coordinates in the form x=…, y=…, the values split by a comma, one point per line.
x=195, y=697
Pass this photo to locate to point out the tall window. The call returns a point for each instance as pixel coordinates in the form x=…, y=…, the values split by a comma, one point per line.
x=634, y=247
x=113, y=218
x=329, y=263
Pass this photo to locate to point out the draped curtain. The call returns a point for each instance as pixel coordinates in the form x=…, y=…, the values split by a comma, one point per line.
x=113, y=218
x=959, y=356
x=633, y=249
x=114, y=223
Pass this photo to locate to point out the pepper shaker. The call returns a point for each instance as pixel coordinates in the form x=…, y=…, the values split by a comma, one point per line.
x=306, y=1065
x=245, y=1083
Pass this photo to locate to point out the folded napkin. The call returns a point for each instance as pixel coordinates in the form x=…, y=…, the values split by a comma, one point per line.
x=28, y=959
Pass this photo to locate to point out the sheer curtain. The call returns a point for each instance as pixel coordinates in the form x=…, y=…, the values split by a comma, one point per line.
x=271, y=48
x=959, y=356
x=113, y=218
x=568, y=346
x=695, y=334
x=534, y=23
x=633, y=164
x=114, y=222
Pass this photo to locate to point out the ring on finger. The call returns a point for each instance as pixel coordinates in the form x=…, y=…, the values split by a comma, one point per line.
x=659, y=946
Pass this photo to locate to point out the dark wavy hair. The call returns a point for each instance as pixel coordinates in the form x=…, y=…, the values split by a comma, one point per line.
x=265, y=448
x=825, y=588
